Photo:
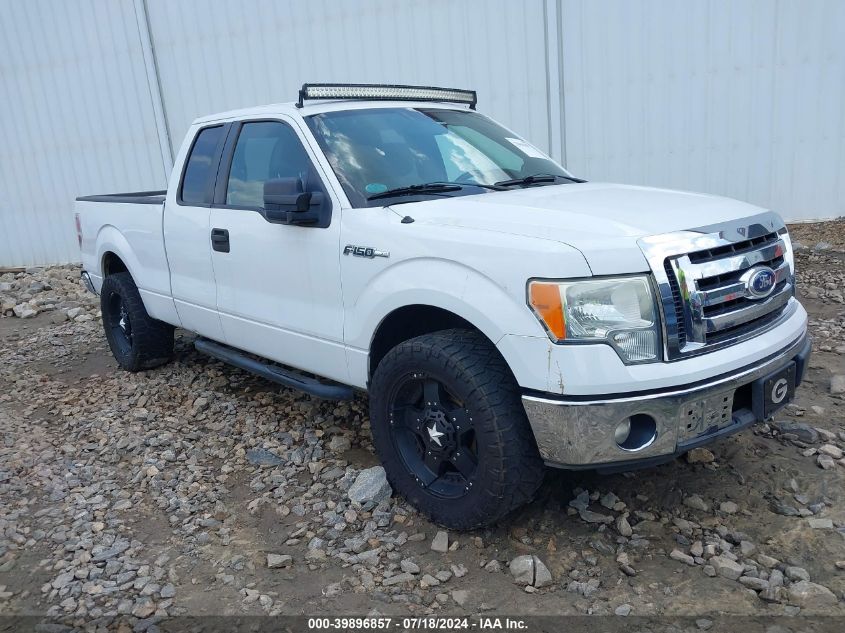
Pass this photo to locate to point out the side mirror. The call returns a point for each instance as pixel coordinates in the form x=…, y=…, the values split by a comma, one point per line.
x=286, y=203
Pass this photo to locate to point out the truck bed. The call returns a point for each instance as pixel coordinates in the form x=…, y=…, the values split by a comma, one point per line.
x=121, y=227
x=132, y=197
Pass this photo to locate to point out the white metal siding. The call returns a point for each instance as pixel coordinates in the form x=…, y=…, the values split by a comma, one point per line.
x=75, y=118
x=744, y=99
x=215, y=56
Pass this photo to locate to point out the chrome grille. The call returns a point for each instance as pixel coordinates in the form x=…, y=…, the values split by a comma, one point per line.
x=705, y=276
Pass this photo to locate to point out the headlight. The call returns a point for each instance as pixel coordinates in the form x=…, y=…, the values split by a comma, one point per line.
x=619, y=311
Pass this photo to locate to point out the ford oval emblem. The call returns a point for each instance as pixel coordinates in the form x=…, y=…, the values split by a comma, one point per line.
x=759, y=282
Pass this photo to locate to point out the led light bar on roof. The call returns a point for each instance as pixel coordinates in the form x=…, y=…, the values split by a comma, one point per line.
x=379, y=92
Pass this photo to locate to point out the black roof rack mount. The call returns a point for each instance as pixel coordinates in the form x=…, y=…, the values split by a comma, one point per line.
x=385, y=92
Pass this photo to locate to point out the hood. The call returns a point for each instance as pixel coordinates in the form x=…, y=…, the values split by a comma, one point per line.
x=602, y=220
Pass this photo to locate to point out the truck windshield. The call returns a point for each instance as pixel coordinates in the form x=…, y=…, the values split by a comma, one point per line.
x=376, y=151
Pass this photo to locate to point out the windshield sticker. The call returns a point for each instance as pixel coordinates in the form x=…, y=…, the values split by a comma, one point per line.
x=526, y=148
x=376, y=187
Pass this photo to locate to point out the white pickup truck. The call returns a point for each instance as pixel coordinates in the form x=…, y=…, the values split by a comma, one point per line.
x=501, y=313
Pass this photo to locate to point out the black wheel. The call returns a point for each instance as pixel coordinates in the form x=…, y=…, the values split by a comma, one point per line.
x=137, y=340
x=449, y=427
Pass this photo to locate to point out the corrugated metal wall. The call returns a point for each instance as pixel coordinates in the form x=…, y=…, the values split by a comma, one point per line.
x=75, y=117
x=745, y=99
x=215, y=56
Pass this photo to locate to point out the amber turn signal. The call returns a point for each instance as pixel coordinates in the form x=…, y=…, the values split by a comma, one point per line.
x=545, y=300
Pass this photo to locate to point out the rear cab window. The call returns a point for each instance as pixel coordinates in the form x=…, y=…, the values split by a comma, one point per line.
x=201, y=166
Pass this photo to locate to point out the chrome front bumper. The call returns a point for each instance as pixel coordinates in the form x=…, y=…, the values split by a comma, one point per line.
x=578, y=433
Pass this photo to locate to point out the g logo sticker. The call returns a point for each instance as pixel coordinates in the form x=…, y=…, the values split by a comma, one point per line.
x=779, y=390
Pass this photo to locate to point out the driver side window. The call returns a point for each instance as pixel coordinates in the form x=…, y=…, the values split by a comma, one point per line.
x=265, y=150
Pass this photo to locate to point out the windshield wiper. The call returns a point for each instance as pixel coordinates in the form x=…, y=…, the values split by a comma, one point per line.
x=535, y=179
x=434, y=188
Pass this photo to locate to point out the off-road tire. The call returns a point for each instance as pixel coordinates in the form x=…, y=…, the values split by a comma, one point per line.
x=151, y=341
x=509, y=466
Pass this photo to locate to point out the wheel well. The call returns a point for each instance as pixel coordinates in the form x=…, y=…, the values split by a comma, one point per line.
x=410, y=321
x=113, y=264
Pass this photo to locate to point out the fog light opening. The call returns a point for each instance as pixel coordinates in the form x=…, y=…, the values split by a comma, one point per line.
x=635, y=433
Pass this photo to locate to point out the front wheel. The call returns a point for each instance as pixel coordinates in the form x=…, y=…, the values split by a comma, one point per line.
x=137, y=340
x=449, y=427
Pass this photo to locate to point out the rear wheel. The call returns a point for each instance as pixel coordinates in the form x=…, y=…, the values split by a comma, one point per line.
x=448, y=424
x=137, y=341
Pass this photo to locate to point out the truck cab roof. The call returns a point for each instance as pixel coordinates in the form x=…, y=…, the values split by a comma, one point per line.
x=291, y=109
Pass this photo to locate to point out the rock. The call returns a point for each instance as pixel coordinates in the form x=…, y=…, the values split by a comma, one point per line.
x=679, y=556
x=398, y=579
x=275, y=561
x=829, y=449
x=809, y=595
x=757, y=584
x=771, y=593
x=803, y=432
x=726, y=568
x=167, y=591
x=459, y=570
x=728, y=507
x=594, y=517
x=779, y=507
x=542, y=575
x=115, y=550
x=440, y=542
x=696, y=503
x=493, y=566
x=262, y=457
x=825, y=462
x=586, y=589
x=767, y=561
x=340, y=443
x=747, y=548
x=25, y=311
x=796, y=573
x=609, y=500
x=522, y=569
x=700, y=456
x=370, y=487
x=428, y=581
x=837, y=384
x=623, y=527
x=409, y=566
x=820, y=524
x=623, y=609
x=709, y=570
x=530, y=570
x=460, y=596
x=703, y=623
x=62, y=580
x=144, y=608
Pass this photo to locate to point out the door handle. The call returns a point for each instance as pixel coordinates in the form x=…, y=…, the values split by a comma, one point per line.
x=220, y=240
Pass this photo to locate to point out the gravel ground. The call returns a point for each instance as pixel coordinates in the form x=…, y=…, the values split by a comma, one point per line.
x=196, y=488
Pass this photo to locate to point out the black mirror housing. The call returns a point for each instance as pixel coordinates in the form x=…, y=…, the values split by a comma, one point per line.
x=285, y=202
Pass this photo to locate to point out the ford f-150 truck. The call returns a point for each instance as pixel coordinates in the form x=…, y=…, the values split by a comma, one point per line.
x=501, y=313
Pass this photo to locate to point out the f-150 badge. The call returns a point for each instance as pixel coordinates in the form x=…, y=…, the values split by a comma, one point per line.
x=364, y=251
